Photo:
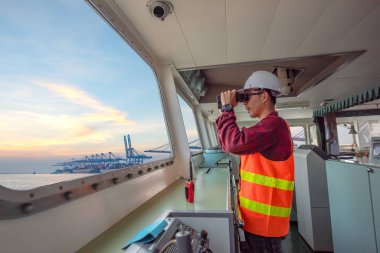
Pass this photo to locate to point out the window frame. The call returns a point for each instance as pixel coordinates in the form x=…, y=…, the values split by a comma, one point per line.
x=21, y=203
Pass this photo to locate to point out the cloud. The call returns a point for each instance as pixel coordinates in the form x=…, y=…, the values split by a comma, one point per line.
x=192, y=134
x=69, y=116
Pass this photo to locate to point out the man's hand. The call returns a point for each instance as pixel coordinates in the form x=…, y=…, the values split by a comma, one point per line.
x=228, y=97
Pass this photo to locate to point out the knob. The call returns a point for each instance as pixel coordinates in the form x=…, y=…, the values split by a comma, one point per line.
x=69, y=195
x=27, y=208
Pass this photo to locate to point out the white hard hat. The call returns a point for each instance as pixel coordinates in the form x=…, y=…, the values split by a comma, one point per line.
x=264, y=80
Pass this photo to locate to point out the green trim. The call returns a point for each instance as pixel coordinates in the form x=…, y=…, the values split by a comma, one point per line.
x=264, y=208
x=267, y=181
x=358, y=99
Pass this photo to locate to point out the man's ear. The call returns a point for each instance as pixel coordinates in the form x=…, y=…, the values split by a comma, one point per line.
x=265, y=96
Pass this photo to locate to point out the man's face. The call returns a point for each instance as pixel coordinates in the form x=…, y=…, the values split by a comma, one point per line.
x=254, y=103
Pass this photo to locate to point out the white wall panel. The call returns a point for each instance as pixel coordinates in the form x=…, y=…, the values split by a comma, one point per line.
x=337, y=21
x=292, y=24
x=248, y=24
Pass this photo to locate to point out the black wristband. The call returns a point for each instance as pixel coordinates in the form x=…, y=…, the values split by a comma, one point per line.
x=227, y=108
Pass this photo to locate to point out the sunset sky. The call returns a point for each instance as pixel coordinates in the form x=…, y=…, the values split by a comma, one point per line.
x=71, y=86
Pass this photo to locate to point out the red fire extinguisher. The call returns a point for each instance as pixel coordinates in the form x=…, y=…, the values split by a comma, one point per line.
x=189, y=191
x=189, y=188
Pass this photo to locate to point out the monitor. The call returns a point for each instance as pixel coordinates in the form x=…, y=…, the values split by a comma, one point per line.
x=374, y=153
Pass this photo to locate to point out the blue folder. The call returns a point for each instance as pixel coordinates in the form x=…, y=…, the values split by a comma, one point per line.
x=148, y=233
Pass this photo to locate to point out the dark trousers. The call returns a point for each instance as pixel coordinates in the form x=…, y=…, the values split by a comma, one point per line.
x=261, y=244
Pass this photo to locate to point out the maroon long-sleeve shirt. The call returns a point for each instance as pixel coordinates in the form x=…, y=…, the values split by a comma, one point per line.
x=270, y=136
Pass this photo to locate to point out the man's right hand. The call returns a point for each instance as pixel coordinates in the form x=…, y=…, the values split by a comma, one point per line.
x=228, y=97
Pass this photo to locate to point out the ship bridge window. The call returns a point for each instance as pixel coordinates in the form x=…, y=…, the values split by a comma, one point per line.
x=75, y=98
x=313, y=134
x=190, y=126
x=359, y=139
x=368, y=127
x=347, y=140
x=298, y=135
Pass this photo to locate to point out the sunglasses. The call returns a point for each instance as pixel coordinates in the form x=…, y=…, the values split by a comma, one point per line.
x=244, y=97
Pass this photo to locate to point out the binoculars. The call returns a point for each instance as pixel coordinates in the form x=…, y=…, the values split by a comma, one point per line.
x=240, y=96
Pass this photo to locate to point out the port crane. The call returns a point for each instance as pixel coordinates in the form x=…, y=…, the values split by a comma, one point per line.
x=133, y=156
x=103, y=161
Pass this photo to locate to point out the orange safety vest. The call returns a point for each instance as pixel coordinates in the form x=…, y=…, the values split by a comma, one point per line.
x=265, y=196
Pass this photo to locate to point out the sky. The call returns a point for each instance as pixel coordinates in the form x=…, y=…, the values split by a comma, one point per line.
x=70, y=86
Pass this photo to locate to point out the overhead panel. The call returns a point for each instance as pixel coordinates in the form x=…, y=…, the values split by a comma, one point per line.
x=365, y=66
x=342, y=87
x=364, y=35
x=165, y=38
x=298, y=74
x=248, y=24
x=230, y=35
x=203, y=26
x=338, y=20
x=290, y=27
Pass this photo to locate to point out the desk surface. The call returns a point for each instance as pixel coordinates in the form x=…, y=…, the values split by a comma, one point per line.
x=359, y=161
x=211, y=194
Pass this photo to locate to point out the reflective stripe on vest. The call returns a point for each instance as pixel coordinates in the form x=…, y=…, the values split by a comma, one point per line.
x=263, y=208
x=267, y=181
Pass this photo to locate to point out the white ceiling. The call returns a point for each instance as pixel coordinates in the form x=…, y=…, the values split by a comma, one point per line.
x=213, y=32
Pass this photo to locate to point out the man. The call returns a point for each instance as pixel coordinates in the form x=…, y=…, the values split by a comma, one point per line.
x=266, y=162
